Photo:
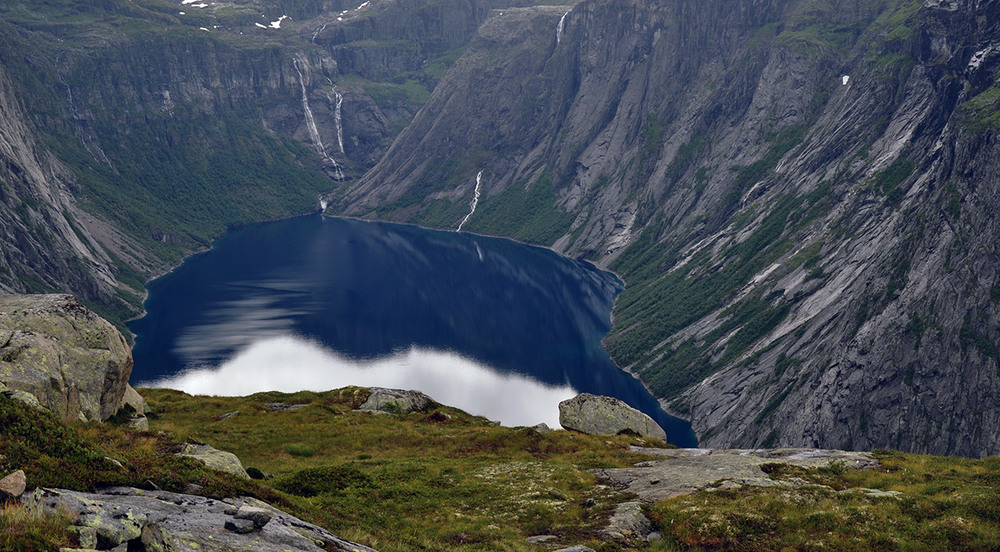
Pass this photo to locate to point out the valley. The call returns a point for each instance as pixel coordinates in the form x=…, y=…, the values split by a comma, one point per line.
x=797, y=194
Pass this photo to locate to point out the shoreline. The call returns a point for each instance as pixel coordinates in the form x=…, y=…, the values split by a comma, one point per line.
x=621, y=284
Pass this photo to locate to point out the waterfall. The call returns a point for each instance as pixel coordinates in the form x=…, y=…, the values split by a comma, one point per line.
x=475, y=200
x=559, y=27
x=318, y=30
x=338, y=100
x=311, y=126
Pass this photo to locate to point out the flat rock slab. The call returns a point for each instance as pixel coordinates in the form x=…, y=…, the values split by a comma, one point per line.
x=161, y=520
x=684, y=471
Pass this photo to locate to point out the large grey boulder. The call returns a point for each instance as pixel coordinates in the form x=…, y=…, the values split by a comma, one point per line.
x=74, y=362
x=396, y=400
x=215, y=459
x=160, y=520
x=600, y=415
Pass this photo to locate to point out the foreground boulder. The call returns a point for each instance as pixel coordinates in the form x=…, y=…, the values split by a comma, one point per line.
x=12, y=486
x=396, y=400
x=600, y=415
x=164, y=521
x=74, y=362
x=215, y=459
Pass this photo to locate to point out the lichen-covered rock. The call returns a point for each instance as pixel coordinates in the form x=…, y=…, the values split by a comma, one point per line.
x=396, y=400
x=215, y=459
x=600, y=415
x=164, y=521
x=74, y=362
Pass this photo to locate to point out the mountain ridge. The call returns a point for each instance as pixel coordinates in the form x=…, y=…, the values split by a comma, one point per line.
x=765, y=220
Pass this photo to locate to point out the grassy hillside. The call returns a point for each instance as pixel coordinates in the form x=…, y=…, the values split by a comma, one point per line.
x=419, y=482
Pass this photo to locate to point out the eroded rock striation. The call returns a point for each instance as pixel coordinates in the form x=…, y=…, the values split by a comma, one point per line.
x=796, y=196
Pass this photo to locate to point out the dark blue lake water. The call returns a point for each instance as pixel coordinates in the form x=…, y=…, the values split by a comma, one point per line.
x=489, y=325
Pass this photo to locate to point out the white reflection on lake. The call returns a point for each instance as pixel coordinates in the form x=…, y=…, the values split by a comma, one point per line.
x=290, y=364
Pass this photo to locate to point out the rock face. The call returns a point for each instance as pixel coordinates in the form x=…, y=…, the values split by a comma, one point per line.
x=215, y=459
x=88, y=109
x=599, y=415
x=794, y=195
x=163, y=521
x=75, y=363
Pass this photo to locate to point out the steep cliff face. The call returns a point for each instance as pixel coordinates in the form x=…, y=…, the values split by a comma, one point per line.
x=796, y=193
x=41, y=242
x=138, y=131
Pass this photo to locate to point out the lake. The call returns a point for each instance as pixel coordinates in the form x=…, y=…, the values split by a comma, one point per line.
x=494, y=327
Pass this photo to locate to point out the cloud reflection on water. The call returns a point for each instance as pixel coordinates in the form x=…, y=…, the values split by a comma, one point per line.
x=290, y=364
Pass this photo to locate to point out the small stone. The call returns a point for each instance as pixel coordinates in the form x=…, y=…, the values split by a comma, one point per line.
x=654, y=536
x=259, y=516
x=139, y=423
x=228, y=415
x=576, y=548
x=230, y=510
x=240, y=526
x=540, y=539
x=12, y=486
x=654, y=481
x=589, y=503
x=280, y=407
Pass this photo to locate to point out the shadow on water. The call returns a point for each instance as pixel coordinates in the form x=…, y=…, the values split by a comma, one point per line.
x=371, y=290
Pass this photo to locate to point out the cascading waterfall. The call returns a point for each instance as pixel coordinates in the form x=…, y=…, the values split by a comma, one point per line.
x=559, y=27
x=311, y=125
x=475, y=201
x=317, y=31
x=338, y=99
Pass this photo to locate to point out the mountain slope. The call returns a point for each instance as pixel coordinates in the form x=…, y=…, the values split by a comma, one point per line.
x=797, y=193
x=138, y=131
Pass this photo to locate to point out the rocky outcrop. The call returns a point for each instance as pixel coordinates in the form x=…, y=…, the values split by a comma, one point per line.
x=75, y=363
x=599, y=415
x=161, y=521
x=685, y=471
x=396, y=401
x=215, y=459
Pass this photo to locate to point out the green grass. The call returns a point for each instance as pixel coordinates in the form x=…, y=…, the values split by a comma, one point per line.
x=407, y=482
x=947, y=504
x=403, y=482
x=982, y=111
x=23, y=530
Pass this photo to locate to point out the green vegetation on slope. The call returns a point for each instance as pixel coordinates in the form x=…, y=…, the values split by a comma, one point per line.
x=421, y=481
x=945, y=504
x=523, y=212
x=403, y=482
